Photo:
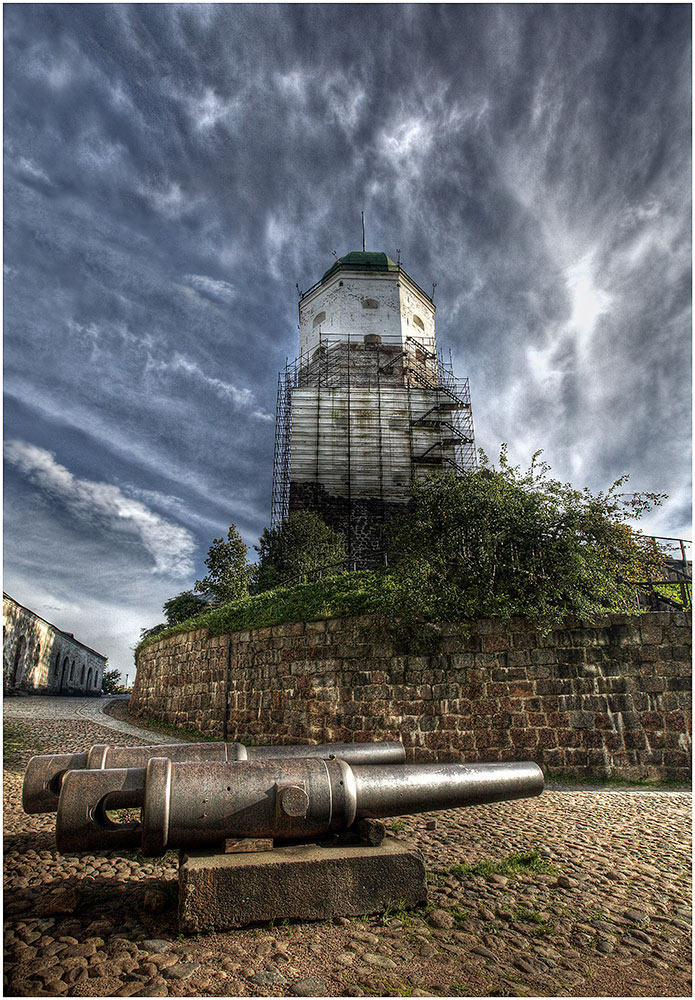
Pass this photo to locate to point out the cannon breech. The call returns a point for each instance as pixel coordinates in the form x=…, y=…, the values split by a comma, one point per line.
x=44, y=774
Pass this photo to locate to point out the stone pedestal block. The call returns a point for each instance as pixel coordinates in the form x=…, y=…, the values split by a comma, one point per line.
x=298, y=882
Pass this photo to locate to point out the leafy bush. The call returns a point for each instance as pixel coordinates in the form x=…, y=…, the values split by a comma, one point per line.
x=183, y=606
x=302, y=544
x=498, y=543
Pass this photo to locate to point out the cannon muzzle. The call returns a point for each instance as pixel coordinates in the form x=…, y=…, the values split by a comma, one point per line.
x=199, y=804
x=44, y=774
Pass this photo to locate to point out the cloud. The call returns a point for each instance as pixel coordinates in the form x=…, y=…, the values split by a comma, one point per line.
x=223, y=291
x=104, y=506
x=26, y=166
x=168, y=198
x=180, y=364
x=210, y=109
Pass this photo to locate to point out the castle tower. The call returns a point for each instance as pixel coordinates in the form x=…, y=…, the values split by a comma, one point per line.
x=368, y=407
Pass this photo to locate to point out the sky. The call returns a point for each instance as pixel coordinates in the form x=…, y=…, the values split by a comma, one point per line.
x=172, y=172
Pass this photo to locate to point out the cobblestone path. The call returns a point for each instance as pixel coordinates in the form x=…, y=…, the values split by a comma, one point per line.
x=600, y=906
x=88, y=709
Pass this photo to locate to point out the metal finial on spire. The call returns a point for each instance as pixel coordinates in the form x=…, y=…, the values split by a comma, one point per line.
x=399, y=256
x=364, y=245
x=434, y=285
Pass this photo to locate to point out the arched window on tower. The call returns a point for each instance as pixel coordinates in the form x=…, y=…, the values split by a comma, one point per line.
x=418, y=322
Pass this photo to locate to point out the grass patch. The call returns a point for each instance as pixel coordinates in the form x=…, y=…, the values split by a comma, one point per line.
x=18, y=743
x=526, y=915
x=520, y=863
x=189, y=735
x=172, y=857
x=459, y=915
x=360, y=593
x=646, y=783
x=398, y=911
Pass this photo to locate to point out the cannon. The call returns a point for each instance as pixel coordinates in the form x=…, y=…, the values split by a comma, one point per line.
x=197, y=804
x=44, y=775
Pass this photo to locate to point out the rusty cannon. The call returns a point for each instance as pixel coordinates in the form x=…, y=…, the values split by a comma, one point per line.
x=44, y=775
x=197, y=804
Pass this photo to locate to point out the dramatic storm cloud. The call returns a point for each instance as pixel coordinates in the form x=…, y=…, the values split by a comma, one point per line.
x=171, y=171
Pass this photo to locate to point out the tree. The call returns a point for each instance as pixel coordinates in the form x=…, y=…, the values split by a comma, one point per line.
x=498, y=542
x=183, y=606
x=228, y=577
x=302, y=544
x=145, y=633
x=110, y=681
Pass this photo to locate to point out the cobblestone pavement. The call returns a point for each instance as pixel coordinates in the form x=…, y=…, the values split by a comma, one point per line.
x=600, y=907
x=91, y=709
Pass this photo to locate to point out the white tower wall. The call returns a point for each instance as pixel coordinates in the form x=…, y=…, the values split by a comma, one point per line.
x=367, y=408
x=351, y=306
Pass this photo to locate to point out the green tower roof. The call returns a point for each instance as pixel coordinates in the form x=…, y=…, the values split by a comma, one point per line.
x=362, y=261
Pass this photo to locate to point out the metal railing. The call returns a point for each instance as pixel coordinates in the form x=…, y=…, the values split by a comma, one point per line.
x=674, y=557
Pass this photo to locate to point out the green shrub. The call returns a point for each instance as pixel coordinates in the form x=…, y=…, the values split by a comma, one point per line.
x=300, y=546
x=498, y=543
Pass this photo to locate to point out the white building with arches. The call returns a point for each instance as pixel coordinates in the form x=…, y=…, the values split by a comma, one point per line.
x=39, y=658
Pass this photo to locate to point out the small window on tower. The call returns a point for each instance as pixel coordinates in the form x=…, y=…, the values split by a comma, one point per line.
x=418, y=322
x=370, y=304
x=319, y=318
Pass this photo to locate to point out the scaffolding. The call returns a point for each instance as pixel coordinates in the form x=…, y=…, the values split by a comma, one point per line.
x=359, y=422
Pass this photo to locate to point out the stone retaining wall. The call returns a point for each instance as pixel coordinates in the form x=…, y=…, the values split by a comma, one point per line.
x=610, y=700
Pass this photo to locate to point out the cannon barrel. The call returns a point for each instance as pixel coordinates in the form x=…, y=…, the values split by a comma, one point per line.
x=44, y=774
x=392, y=791
x=199, y=804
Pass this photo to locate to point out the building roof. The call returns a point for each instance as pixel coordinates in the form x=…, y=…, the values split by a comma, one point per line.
x=66, y=635
x=362, y=261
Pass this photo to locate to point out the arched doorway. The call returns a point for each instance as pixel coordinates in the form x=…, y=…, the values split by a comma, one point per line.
x=64, y=675
x=18, y=658
x=54, y=677
x=89, y=678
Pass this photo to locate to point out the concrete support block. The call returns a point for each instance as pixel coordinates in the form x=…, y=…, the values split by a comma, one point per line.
x=298, y=882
